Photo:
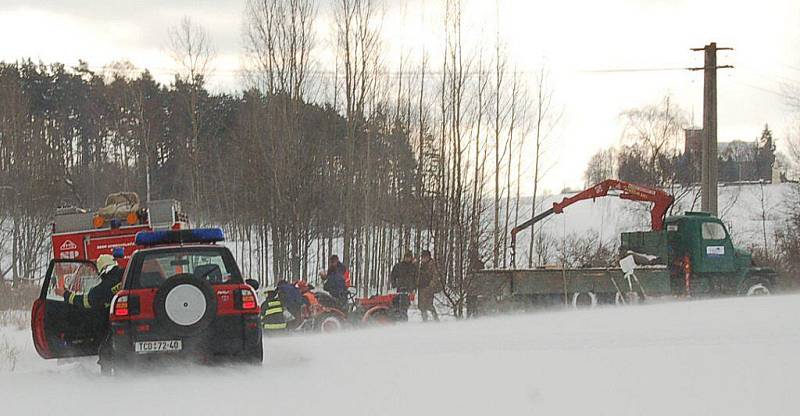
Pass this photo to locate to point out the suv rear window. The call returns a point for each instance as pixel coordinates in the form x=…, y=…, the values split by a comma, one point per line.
x=151, y=268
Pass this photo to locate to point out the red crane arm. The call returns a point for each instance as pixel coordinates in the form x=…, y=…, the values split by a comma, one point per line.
x=630, y=191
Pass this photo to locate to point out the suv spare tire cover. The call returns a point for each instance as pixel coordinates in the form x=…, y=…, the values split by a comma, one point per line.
x=185, y=305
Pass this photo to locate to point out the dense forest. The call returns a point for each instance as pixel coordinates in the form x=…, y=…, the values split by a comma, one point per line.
x=361, y=160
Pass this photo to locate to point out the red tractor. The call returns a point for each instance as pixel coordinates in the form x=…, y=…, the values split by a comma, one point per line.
x=383, y=309
x=374, y=310
x=322, y=313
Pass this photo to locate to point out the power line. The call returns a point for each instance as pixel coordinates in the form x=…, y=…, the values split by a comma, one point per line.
x=767, y=90
x=615, y=70
x=769, y=76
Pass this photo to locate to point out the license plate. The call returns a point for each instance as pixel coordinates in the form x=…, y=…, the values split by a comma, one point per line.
x=144, y=347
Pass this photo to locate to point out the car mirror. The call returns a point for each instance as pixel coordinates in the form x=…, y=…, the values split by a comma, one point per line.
x=253, y=283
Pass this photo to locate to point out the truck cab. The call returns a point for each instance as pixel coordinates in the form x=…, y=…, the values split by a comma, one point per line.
x=698, y=244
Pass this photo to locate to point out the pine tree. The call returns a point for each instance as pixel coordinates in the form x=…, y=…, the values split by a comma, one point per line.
x=765, y=154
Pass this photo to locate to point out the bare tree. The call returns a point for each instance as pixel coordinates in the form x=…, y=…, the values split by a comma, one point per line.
x=521, y=125
x=546, y=118
x=601, y=166
x=500, y=148
x=358, y=42
x=191, y=49
x=280, y=37
x=655, y=132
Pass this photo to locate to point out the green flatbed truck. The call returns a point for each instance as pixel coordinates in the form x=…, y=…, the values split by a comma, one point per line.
x=689, y=255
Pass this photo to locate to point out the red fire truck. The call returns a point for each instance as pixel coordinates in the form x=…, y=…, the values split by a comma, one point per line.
x=85, y=235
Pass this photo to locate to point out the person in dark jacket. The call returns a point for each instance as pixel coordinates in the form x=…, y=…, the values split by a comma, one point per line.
x=98, y=299
x=429, y=283
x=291, y=299
x=334, y=280
x=335, y=264
x=404, y=274
x=272, y=319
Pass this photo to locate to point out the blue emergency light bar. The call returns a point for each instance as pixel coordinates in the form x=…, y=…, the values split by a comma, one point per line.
x=198, y=235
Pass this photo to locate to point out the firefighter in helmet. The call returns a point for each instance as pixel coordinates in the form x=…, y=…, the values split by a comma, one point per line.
x=272, y=318
x=98, y=299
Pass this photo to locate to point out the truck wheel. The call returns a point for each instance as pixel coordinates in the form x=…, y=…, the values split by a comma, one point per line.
x=380, y=318
x=329, y=323
x=254, y=357
x=582, y=300
x=756, y=287
x=619, y=299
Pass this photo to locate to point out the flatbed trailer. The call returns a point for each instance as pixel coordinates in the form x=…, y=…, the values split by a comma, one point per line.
x=687, y=255
x=500, y=290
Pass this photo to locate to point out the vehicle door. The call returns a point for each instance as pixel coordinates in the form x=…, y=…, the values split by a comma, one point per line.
x=60, y=329
x=716, y=249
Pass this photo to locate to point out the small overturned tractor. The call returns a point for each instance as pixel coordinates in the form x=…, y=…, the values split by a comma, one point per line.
x=322, y=313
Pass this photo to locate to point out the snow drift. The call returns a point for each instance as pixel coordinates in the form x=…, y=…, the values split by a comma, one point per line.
x=721, y=357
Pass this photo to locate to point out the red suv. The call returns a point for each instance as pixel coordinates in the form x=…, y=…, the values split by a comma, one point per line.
x=182, y=296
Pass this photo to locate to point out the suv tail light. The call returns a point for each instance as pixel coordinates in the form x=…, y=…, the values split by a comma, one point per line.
x=124, y=306
x=248, y=299
x=120, y=307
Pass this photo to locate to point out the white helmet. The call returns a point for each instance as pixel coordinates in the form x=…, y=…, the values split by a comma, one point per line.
x=105, y=262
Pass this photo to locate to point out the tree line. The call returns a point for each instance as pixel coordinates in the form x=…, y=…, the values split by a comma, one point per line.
x=356, y=158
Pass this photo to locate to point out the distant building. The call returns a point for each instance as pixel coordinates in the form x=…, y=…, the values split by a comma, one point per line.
x=693, y=141
x=739, y=160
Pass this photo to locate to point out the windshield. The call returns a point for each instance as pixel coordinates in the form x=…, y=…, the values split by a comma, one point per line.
x=214, y=265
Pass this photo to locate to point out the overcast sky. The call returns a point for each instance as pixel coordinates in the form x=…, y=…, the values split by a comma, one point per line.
x=572, y=38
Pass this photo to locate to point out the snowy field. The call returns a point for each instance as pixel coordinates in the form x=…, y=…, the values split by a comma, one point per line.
x=722, y=357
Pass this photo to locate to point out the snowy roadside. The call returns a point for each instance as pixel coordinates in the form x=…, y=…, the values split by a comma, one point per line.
x=720, y=357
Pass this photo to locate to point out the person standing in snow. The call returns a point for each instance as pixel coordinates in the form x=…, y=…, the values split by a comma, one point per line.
x=428, y=283
x=404, y=274
x=98, y=299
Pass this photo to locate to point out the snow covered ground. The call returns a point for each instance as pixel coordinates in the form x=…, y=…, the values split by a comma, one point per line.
x=721, y=357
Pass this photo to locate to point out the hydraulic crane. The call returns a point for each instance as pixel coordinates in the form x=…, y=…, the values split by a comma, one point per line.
x=629, y=191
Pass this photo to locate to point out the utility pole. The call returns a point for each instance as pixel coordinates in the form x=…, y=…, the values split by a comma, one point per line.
x=710, y=173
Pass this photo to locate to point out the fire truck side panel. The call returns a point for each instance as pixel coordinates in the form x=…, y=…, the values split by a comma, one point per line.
x=105, y=244
x=69, y=246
